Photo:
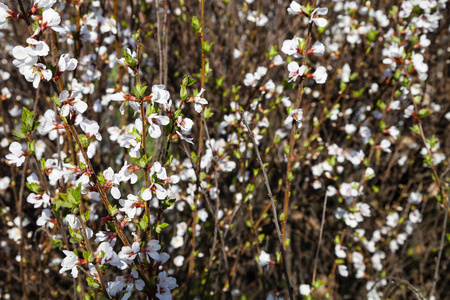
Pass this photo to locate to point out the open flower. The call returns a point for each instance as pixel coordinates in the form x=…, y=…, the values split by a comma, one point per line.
x=51, y=19
x=294, y=8
x=154, y=121
x=199, y=101
x=295, y=70
x=264, y=259
x=112, y=180
x=164, y=286
x=320, y=22
x=37, y=48
x=70, y=262
x=258, y=18
x=5, y=14
x=320, y=75
x=43, y=4
x=38, y=200
x=160, y=95
x=72, y=104
x=91, y=128
x=66, y=63
x=318, y=49
x=155, y=188
x=17, y=155
x=292, y=47
x=185, y=124
x=295, y=115
x=127, y=254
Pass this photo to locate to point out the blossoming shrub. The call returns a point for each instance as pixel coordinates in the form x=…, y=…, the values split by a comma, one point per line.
x=224, y=149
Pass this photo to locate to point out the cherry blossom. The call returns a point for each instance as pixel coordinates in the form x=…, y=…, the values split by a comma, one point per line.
x=17, y=155
x=128, y=254
x=164, y=286
x=295, y=115
x=264, y=259
x=295, y=71
x=43, y=4
x=154, y=119
x=66, y=63
x=258, y=18
x=5, y=14
x=319, y=22
x=320, y=75
x=72, y=103
x=51, y=19
x=294, y=8
x=305, y=289
x=70, y=262
x=293, y=47
x=39, y=200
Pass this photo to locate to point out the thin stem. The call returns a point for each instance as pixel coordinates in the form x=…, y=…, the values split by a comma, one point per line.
x=274, y=208
x=200, y=145
x=316, y=259
x=147, y=181
x=292, y=141
x=441, y=249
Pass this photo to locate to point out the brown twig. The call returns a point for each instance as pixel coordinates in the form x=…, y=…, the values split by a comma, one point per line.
x=316, y=259
x=274, y=208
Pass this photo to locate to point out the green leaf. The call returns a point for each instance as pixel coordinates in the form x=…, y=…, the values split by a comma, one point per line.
x=160, y=227
x=138, y=90
x=397, y=74
x=113, y=210
x=35, y=188
x=396, y=39
x=43, y=163
x=143, y=161
x=143, y=223
x=196, y=25
x=381, y=104
x=18, y=135
x=75, y=194
x=85, y=142
x=321, y=30
x=261, y=238
x=354, y=76
x=86, y=215
x=183, y=93
x=290, y=176
x=415, y=129
x=85, y=255
x=337, y=240
x=188, y=81
x=358, y=93
x=202, y=176
x=272, y=52
x=207, y=47
x=372, y=35
x=57, y=243
x=194, y=157
x=136, y=35
x=56, y=101
x=92, y=283
x=423, y=112
x=59, y=203
x=27, y=119
x=208, y=114
x=375, y=189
